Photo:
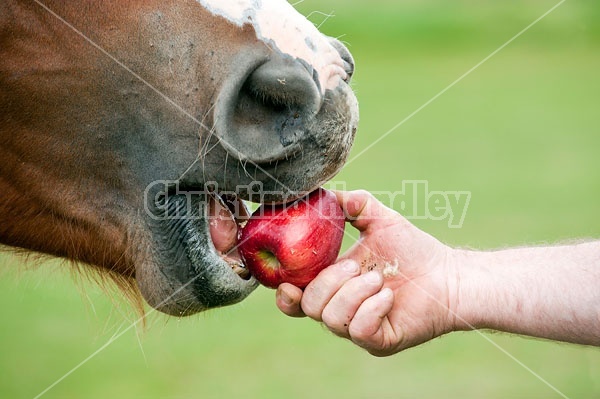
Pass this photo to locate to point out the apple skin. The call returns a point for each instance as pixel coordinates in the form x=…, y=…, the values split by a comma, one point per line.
x=293, y=242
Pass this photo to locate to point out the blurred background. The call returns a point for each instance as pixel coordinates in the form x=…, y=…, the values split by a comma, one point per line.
x=521, y=133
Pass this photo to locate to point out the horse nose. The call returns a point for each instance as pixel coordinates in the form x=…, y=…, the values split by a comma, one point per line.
x=268, y=117
x=347, y=58
x=286, y=82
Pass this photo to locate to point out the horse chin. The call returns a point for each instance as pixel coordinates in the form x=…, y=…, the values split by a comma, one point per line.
x=193, y=266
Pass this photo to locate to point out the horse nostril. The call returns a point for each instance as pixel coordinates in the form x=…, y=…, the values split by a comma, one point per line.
x=284, y=83
x=266, y=119
x=349, y=68
x=346, y=57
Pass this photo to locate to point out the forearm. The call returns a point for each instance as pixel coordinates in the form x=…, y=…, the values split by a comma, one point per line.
x=548, y=292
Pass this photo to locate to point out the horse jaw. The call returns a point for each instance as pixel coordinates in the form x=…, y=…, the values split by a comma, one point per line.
x=185, y=273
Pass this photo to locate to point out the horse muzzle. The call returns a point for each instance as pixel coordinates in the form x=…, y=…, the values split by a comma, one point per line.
x=266, y=113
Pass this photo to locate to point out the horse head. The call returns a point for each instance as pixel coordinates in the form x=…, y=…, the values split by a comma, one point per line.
x=113, y=112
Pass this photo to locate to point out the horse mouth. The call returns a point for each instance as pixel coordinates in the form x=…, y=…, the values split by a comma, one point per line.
x=195, y=265
x=227, y=214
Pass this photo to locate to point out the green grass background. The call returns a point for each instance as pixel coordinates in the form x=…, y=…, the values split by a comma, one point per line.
x=521, y=133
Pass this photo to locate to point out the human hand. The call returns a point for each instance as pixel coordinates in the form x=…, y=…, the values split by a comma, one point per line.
x=392, y=290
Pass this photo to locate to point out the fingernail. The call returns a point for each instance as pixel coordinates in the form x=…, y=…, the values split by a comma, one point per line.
x=373, y=277
x=350, y=266
x=285, y=298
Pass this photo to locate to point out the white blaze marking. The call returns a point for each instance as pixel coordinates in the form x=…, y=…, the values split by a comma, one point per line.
x=277, y=22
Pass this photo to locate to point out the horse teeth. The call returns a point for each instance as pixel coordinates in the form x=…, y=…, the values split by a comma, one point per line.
x=240, y=270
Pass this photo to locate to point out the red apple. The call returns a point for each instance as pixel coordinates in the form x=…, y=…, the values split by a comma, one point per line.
x=293, y=242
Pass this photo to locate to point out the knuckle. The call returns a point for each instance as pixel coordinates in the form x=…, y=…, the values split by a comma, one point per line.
x=359, y=334
x=310, y=310
x=334, y=322
x=329, y=318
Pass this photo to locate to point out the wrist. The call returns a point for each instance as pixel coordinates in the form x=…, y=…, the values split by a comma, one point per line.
x=491, y=291
x=469, y=289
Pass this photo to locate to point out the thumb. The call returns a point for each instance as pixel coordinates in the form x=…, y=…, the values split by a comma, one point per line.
x=288, y=299
x=362, y=209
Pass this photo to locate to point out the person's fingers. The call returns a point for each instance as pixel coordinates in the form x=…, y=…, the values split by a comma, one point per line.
x=342, y=307
x=370, y=328
x=319, y=291
x=288, y=299
x=362, y=209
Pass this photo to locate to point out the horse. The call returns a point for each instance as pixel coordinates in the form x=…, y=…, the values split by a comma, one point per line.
x=113, y=112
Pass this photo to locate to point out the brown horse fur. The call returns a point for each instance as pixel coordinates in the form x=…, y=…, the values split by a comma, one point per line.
x=85, y=128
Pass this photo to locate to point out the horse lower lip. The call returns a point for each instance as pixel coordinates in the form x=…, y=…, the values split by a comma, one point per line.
x=188, y=274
